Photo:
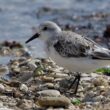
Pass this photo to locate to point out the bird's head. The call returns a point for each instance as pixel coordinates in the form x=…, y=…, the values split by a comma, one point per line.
x=45, y=30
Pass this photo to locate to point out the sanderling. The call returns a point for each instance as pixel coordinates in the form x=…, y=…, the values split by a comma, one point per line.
x=71, y=50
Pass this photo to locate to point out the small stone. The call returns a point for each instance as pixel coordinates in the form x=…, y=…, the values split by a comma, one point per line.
x=23, y=88
x=107, y=93
x=2, y=88
x=5, y=108
x=49, y=85
x=89, y=96
x=50, y=92
x=99, y=98
x=81, y=89
x=58, y=108
x=47, y=79
x=85, y=75
x=60, y=101
x=58, y=79
x=14, y=83
x=72, y=107
x=17, y=94
x=105, y=106
x=3, y=69
x=100, y=81
x=1, y=104
x=50, y=108
x=93, y=75
x=59, y=75
x=101, y=88
x=25, y=104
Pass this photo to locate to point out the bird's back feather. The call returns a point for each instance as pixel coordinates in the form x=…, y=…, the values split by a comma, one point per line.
x=70, y=44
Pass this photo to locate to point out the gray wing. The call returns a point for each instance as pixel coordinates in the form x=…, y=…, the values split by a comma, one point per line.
x=101, y=53
x=70, y=44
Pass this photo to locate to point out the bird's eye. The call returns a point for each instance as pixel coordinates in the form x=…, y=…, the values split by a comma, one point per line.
x=44, y=28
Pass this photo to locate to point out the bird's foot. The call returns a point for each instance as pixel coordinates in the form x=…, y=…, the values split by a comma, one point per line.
x=75, y=82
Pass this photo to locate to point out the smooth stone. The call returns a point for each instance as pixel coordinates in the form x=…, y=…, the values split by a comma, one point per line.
x=1, y=104
x=99, y=98
x=72, y=107
x=23, y=88
x=59, y=75
x=5, y=108
x=105, y=106
x=86, y=79
x=16, y=69
x=2, y=88
x=50, y=92
x=47, y=79
x=85, y=75
x=100, y=81
x=89, y=97
x=107, y=93
x=3, y=69
x=94, y=75
x=80, y=89
x=101, y=88
x=58, y=79
x=14, y=83
x=60, y=101
x=49, y=85
x=26, y=104
x=50, y=108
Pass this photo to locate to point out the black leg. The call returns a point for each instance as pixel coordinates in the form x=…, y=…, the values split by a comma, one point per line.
x=77, y=79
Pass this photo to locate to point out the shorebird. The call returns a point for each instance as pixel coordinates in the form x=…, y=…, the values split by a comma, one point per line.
x=71, y=50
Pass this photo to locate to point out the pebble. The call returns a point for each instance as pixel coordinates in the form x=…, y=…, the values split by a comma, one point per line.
x=14, y=83
x=5, y=108
x=3, y=69
x=51, y=108
x=93, y=75
x=89, y=96
x=47, y=79
x=80, y=89
x=49, y=85
x=98, y=98
x=101, y=88
x=23, y=88
x=2, y=88
x=57, y=79
x=60, y=101
x=59, y=75
x=72, y=107
x=54, y=93
x=100, y=81
x=26, y=104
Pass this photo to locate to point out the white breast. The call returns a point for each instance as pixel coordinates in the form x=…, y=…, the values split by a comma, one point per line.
x=77, y=64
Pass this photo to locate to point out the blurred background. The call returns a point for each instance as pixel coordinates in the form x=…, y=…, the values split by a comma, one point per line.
x=19, y=18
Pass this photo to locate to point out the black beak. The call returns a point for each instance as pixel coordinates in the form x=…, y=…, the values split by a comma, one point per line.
x=33, y=37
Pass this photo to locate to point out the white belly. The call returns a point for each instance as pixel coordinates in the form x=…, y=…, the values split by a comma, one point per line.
x=77, y=64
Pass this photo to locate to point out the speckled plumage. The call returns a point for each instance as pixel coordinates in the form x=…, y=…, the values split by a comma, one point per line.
x=71, y=50
x=70, y=44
